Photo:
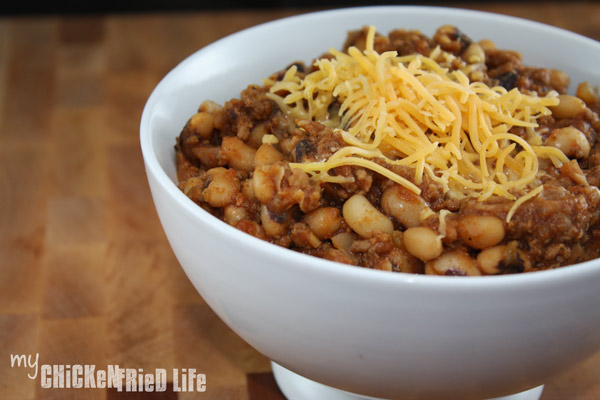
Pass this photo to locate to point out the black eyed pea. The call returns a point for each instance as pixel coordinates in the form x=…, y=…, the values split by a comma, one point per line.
x=423, y=243
x=453, y=263
x=364, y=218
x=222, y=188
x=570, y=141
x=503, y=259
x=274, y=225
x=474, y=54
x=490, y=260
x=481, y=231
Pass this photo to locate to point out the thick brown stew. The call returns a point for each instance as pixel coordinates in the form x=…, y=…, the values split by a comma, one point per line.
x=226, y=167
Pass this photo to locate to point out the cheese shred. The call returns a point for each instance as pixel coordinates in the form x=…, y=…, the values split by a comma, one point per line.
x=412, y=111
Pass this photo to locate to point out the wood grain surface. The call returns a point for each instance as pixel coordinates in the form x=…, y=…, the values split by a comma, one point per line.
x=86, y=274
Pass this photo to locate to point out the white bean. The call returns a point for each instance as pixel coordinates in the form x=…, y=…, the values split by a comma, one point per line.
x=233, y=214
x=263, y=186
x=324, y=221
x=343, y=241
x=423, y=243
x=209, y=156
x=453, y=263
x=487, y=45
x=256, y=134
x=210, y=107
x=481, y=231
x=203, y=124
x=403, y=205
x=568, y=107
x=267, y=154
x=559, y=79
x=364, y=218
x=586, y=93
x=237, y=153
x=570, y=141
x=248, y=188
x=217, y=112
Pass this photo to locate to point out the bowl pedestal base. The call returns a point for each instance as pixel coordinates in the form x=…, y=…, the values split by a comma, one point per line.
x=297, y=387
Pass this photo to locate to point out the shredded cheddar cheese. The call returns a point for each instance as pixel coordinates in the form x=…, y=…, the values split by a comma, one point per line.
x=271, y=139
x=411, y=111
x=522, y=200
x=442, y=223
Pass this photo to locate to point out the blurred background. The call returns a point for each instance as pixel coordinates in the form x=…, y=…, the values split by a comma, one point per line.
x=113, y=6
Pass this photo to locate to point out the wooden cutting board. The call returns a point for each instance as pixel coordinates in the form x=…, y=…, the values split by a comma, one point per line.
x=86, y=274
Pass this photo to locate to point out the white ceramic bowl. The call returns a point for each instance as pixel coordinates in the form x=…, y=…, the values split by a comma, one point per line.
x=382, y=334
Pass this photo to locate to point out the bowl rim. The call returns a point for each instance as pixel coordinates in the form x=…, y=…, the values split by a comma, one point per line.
x=580, y=271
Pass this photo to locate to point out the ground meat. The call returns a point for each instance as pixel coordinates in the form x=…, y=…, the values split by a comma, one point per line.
x=566, y=219
x=556, y=220
x=380, y=252
x=234, y=161
x=360, y=182
x=245, y=113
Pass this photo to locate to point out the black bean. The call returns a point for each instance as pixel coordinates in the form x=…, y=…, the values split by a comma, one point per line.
x=303, y=148
x=508, y=80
